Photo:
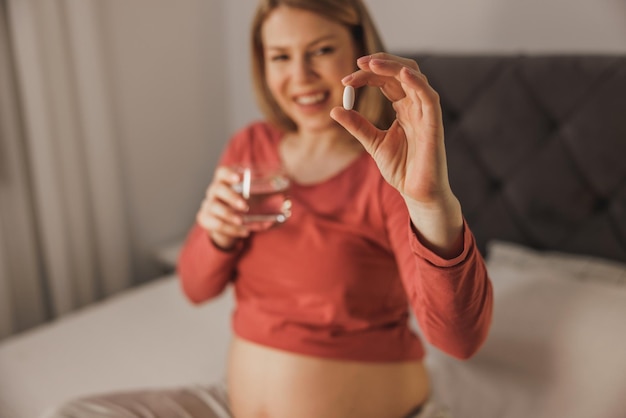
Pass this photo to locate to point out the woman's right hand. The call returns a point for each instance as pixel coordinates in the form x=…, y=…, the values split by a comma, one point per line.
x=220, y=212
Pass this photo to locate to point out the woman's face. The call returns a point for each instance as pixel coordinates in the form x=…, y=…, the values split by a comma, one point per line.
x=306, y=56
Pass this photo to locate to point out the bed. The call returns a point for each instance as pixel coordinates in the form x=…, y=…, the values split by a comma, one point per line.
x=536, y=148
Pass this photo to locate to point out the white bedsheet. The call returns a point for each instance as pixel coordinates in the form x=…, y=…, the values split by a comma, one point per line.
x=149, y=336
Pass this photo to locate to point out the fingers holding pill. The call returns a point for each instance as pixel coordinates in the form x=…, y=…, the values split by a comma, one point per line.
x=389, y=86
x=385, y=71
x=409, y=153
x=399, y=79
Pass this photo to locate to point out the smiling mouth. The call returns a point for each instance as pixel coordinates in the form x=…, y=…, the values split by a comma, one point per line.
x=311, y=99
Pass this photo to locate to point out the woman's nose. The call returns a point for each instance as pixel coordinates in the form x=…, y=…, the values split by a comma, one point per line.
x=303, y=70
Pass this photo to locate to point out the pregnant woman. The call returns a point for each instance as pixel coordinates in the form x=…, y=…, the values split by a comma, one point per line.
x=323, y=301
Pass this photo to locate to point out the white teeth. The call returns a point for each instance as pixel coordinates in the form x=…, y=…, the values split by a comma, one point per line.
x=311, y=99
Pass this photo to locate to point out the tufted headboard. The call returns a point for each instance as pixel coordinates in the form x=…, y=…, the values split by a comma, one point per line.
x=537, y=147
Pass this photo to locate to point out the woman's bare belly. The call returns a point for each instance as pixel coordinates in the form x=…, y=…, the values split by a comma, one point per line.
x=268, y=383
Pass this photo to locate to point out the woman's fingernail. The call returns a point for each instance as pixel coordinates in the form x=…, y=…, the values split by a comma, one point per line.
x=364, y=60
x=347, y=78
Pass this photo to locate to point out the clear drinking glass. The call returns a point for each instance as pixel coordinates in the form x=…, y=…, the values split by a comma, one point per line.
x=266, y=189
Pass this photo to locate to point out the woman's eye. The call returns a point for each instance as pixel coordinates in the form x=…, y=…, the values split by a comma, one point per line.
x=282, y=57
x=323, y=51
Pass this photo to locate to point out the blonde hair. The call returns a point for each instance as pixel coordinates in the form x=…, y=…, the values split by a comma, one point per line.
x=353, y=14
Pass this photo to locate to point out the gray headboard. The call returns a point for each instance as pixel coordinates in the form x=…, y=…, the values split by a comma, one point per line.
x=537, y=147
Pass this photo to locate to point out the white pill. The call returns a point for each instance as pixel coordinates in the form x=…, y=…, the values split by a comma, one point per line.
x=348, y=97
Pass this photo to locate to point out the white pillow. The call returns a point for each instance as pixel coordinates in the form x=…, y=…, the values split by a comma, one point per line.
x=560, y=320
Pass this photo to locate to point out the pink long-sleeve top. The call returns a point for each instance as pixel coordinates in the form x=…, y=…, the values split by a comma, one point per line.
x=337, y=280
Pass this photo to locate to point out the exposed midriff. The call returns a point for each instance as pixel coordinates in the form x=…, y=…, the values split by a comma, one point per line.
x=269, y=383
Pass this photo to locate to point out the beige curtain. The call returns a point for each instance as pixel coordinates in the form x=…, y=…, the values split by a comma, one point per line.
x=63, y=232
x=22, y=296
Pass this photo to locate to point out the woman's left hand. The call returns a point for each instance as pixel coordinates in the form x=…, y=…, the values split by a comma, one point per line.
x=411, y=153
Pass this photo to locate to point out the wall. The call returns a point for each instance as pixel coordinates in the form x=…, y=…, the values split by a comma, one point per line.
x=504, y=25
x=169, y=100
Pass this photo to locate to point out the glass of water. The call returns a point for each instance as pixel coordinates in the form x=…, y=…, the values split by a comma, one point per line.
x=265, y=187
